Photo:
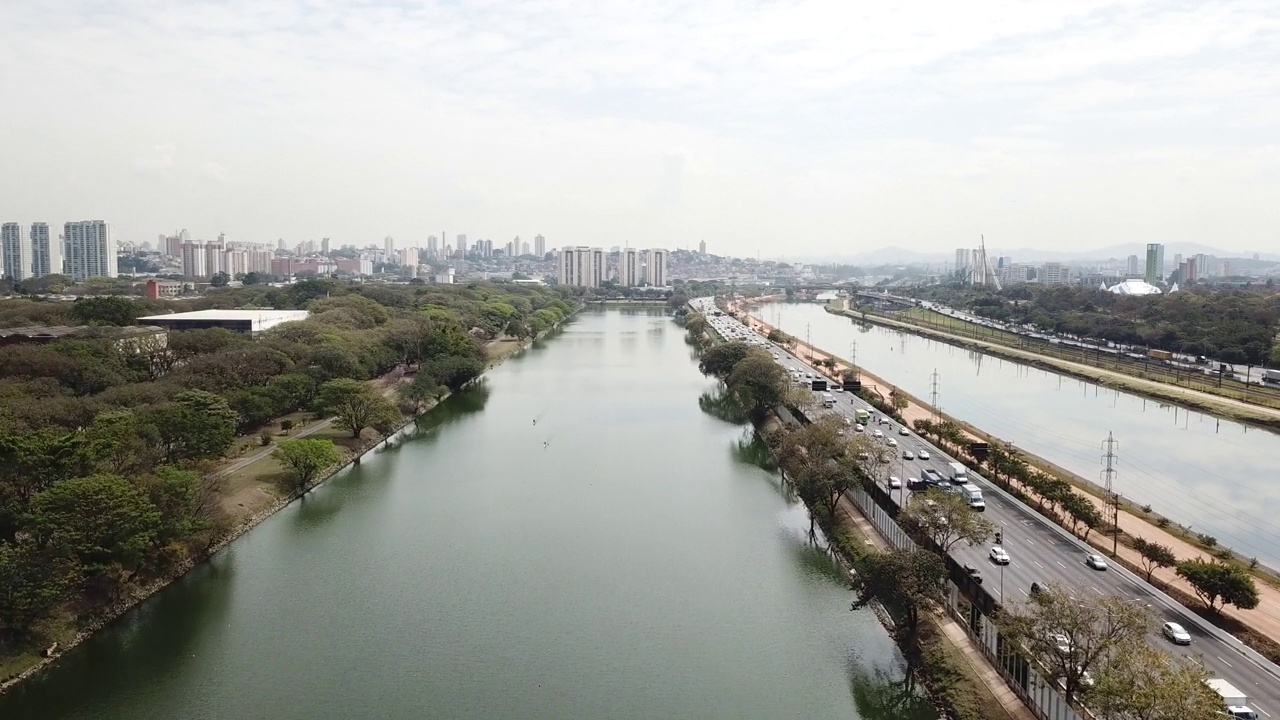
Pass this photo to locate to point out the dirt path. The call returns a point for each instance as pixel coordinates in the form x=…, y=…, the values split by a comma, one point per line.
x=1264, y=619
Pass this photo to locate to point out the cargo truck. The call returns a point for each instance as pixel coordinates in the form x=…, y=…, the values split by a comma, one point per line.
x=863, y=417
x=973, y=494
x=1237, y=702
x=1160, y=354
x=1271, y=376
x=959, y=473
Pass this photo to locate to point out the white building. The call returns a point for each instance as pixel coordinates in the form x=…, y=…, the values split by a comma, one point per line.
x=194, y=260
x=539, y=246
x=581, y=266
x=15, y=251
x=46, y=255
x=964, y=260
x=628, y=267
x=445, y=277
x=89, y=250
x=1054, y=274
x=655, y=267
x=391, y=247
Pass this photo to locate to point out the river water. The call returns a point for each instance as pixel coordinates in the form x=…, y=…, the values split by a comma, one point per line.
x=1216, y=476
x=640, y=565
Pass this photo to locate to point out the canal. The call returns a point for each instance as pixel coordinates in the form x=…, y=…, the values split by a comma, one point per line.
x=640, y=564
x=1213, y=475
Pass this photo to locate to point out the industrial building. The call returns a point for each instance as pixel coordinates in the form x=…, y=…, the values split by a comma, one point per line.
x=245, y=321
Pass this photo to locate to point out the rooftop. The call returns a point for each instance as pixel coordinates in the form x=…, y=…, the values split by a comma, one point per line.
x=257, y=320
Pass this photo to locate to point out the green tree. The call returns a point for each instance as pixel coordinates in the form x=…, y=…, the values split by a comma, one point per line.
x=196, y=425
x=720, y=360
x=1154, y=555
x=306, y=458
x=1139, y=682
x=220, y=279
x=423, y=389
x=33, y=581
x=945, y=518
x=1218, y=584
x=909, y=580
x=1070, y=638
x=108, y=310
x=454, y=371
x=102, y=519
x=759, y=383
x=354, y=405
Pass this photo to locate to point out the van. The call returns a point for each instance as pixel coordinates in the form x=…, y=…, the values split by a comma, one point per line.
x=828, y=400
x=959, y=473
x=973, y=494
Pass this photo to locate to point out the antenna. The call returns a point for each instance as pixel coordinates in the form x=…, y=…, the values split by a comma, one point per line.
x=933, y=394
x=1113, y=499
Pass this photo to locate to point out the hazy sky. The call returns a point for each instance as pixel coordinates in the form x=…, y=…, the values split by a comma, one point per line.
x=786, y=127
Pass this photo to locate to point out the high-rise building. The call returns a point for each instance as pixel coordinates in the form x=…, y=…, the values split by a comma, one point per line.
x=628, y=267
x=581, y=266
x=1131, y=266
x=15, y=251
x=324, y=246
x=964, y=261
x=195, y=259
x=702, y=247
x=215, y=255
x=1054, y=274
x=655, y=267
x=462, y=242
x=89, y=250
x=433, y=246
x=539, y=246
x=524, y=248
x=46, y=255
x=390, y=246
x=280, y=243
x=1155, y=264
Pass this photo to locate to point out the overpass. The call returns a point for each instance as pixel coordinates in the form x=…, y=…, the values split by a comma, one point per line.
x=884, y=301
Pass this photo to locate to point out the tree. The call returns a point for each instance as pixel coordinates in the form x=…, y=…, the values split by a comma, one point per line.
x=759, y=383
x=454, y=371
x=354, y=405
x=719, y=361
x=102, y=519
x=777, y=337
x=945, y=518
x=33, y=581
x=196, y=425
x=898, y=399
x=1070, y=638
x=220, y=279
x=286, y=426
x=1154, y=555
x=1218, y=584
x=1080, y=510
x=912, y=580
x=1139, y=682
x=423, y=389
x=108, y=310
x=306, y=457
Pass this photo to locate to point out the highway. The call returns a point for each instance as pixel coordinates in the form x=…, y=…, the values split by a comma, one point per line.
x=1042, y=552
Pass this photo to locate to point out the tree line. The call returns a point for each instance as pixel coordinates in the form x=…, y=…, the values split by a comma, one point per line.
x=108, y=448
x=1234, y=326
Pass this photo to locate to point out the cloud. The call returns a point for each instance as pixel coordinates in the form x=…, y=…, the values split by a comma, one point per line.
x=755, y=124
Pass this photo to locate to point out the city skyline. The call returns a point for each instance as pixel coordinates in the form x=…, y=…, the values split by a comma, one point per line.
x=1097, y=122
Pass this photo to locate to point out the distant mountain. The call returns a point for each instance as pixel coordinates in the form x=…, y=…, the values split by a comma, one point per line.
x=895, y=255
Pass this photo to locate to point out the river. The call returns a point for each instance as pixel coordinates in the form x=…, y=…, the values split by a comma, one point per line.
x=1214, y=475
x=640, y=565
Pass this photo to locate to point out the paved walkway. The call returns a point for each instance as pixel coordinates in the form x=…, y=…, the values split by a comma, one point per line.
x=1264, y=619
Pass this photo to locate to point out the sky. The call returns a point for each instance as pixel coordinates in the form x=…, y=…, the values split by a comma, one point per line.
x=798, y=128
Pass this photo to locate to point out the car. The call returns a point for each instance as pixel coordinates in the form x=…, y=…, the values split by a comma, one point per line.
x=1097, y=562
x=891, y=442
x=895, y=483
x=1061, y=643
x=847, y=421
x=877, y=434
x=858, y=428
x=914, y=484
x=903, y=432
x=1177, y=634
x=908, y=455
x=998, y=555
x=923, y=454
x=1035, y=589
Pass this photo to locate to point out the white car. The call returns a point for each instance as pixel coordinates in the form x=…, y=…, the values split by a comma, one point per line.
x=923, y=454
x=1097, y=562
x=1061, y=642
x=908, y=455
x=999, y=556
x=858, y=428
x=877, y=434
x=903, y=431
x=1177, y=634
x=891, y=442
x=895, y=483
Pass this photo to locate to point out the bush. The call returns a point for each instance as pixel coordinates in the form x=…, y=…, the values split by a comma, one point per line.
x=1208, y=540
x=1163, y=522
x=1146, y=508
x=286, y=426
x=265, y=436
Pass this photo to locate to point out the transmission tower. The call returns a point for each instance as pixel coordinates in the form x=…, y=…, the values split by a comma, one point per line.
x=1108, y=473
x=933, y=393
x=853, y=356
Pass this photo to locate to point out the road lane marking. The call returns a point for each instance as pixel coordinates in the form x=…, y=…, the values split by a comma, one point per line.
x=1095, y=589
x=1224, y=662
x=1255, y=707
x=1037, y=562
x=1064, y=567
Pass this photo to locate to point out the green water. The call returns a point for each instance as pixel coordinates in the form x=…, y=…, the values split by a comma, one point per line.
x=641, y=565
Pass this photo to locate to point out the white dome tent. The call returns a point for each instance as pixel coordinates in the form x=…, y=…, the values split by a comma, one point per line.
x=1134, y=287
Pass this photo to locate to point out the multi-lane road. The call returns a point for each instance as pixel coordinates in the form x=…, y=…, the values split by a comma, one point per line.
x=1040, y=551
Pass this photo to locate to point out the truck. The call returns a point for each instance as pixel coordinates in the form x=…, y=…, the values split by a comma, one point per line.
x=1271, y=376
x=1237, y=702
x=828, y=400
x=959, y=474
x=973, y=494
x=1160, y=354
x=863, y=417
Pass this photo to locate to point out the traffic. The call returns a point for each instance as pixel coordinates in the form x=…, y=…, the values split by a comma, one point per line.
x=1028, y=551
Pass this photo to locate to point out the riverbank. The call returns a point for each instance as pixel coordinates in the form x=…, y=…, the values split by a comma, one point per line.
x=259, y=494
x=1223, y=407
x=1259, y=628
